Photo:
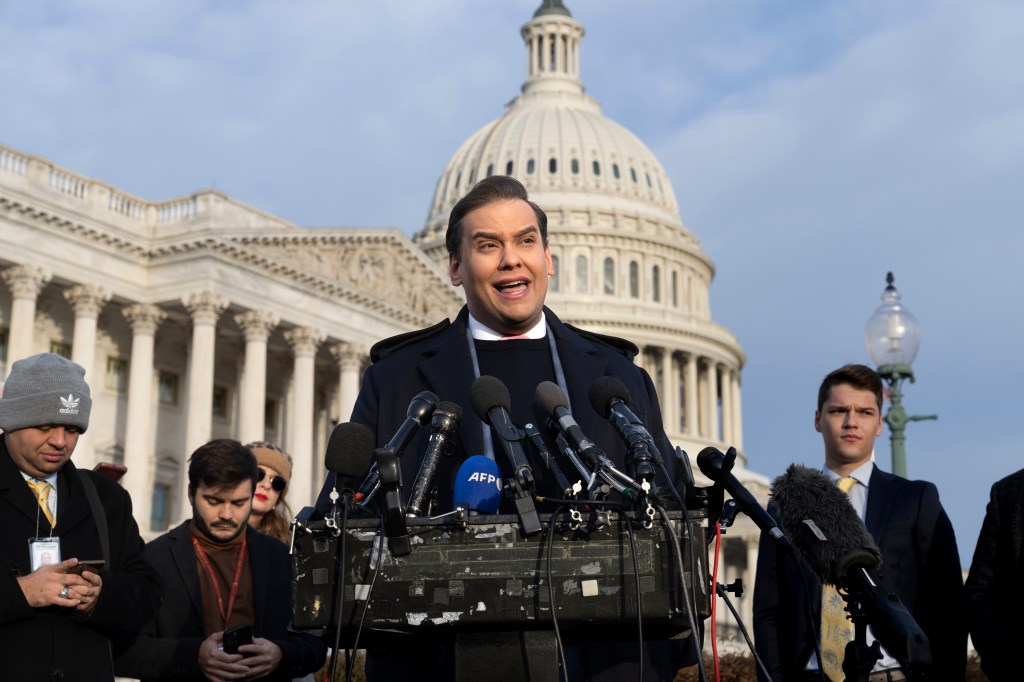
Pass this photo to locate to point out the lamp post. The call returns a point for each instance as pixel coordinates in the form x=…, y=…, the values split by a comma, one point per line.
x=893, y=337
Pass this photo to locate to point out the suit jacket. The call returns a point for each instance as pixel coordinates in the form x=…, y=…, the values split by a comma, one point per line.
x=54, y=642
x=995, y=586
x=168, y=648
x=920, y=564
x=438, y=360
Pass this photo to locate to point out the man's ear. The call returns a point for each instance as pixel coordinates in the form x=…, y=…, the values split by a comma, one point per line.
x=817, y=421
x=453, y=270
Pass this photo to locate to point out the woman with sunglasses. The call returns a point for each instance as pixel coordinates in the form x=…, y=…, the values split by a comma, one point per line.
x=270, y=513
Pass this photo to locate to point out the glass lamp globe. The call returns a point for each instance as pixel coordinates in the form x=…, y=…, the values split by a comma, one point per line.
x=892, y=334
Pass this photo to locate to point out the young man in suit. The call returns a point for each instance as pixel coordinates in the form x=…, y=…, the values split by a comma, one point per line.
x=219, y=573
x=920, y=562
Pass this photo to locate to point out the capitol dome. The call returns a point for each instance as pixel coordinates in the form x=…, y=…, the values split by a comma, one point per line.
x=625, y=263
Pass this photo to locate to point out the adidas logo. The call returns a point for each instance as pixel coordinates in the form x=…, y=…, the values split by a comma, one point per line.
x=70, y=404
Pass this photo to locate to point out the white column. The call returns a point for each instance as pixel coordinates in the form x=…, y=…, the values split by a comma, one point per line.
x=711, y=380
x=256, y=325
x=86, y=301
x=304, y=342
x=690, y=386
x=737, y=412
x=139, y=457
x=726, y=406
x=205, y=308
x=25, y=282
x=747, y=606
x=350, y=360
x=669, y=391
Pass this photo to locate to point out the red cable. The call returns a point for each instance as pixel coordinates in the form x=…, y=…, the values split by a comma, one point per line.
x=714, y=602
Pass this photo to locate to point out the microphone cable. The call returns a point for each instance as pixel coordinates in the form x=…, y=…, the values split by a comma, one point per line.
x=691, y=604
x=369, y=594
x=339, y=592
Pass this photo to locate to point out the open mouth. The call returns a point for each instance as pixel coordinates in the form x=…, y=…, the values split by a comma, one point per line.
x=511, y=288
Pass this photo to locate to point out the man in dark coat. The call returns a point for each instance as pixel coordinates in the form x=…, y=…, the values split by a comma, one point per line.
x=56, y=624
x=995, y=586
x=498, y=252
x=220, y=573
x=920, y=562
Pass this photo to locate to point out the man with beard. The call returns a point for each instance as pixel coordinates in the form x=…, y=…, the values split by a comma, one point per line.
x=220, y=574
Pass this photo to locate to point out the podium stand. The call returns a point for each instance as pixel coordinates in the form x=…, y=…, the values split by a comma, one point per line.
x=479, y=574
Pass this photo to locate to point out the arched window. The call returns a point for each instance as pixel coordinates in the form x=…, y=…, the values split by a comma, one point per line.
x=634, y=279
x=632, y=174
x=615, y=170
x=675, y=289
x=508, y=168
x=597, y=168
x=609, y=276
x=656, y=283
x=581, y=275
x=490, y=169
x=575, y=166
x=529, y=167
x=552, y=165
x=553, y=282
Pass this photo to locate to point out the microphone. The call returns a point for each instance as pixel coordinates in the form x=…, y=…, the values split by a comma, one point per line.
x=608, y=396
x=444, y=425
x=491, y=402
x=837, y=547
x=550, y=399
x=420, y=408
x=477, y=485
x=718, y=468
x=349, y=450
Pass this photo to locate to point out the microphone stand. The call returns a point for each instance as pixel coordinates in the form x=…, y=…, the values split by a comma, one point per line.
x=859, y=658
x=339, y=568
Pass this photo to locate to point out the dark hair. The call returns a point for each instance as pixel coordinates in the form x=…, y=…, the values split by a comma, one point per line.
x=221, y=463
x=488, y=191
x=861, y=377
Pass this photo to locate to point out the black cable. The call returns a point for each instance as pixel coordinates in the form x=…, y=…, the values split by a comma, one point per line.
x=678, y=552
x=721, y=592
x=369, y=593
x=339, y=593
x=639, y=595
x=560, y=663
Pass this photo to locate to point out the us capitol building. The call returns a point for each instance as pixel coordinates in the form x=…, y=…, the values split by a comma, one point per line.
x=200, y=317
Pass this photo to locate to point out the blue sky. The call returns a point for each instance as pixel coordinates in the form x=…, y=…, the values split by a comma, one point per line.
x=812, y=148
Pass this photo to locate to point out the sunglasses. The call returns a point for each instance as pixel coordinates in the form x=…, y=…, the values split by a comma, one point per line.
x=278, y=483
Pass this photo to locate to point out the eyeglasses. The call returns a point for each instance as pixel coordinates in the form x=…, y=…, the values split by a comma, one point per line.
x=278, y=483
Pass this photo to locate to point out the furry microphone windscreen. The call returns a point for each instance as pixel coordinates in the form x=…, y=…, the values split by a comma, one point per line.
x=822, y=524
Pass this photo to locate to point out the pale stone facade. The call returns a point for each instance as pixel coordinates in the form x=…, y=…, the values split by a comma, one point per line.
x=200, y=317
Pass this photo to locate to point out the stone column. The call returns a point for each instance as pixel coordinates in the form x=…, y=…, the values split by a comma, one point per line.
x=25, y=282
x=138, y=436
x=205, y=308
x=746, y=609
x=712, y=395
x=304, y=342
x=256, y=325
x=690, y=385
x=86, y=301
x=737, y=411
x=726, y=406
x=350, y=360
x=669, y=392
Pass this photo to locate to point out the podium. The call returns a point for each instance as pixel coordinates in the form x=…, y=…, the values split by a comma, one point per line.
x=474, y=574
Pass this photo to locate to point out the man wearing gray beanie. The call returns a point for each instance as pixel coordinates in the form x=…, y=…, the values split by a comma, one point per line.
x=72, y=576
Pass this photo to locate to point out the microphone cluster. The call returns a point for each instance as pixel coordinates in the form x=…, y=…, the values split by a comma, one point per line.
x=478, y=485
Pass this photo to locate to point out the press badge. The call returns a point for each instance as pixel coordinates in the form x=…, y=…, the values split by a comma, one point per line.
x=44, y=551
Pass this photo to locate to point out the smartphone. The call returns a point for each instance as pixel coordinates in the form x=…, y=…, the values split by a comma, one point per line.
x=91, y=565
x=112, y=471
x=236, y=637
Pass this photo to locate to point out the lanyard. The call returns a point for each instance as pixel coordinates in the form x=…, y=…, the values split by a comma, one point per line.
x=225, y=614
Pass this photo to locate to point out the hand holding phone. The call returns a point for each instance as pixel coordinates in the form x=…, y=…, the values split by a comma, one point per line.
x=91, y=565
x=237, y=636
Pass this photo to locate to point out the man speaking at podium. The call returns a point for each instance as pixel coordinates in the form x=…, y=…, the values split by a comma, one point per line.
x=498, y=252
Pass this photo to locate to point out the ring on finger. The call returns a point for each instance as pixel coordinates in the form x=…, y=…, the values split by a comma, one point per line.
x=64, y=594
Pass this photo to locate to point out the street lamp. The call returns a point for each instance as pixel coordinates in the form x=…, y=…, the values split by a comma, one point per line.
x=893, y=337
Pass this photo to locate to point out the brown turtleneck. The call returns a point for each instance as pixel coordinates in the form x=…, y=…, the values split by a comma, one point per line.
x=223, y=559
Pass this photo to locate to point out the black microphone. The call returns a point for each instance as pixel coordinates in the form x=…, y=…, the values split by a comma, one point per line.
x=836, y=546
x=420, y=408
x=444, y=425
x=349, y=450
x=718, y=468
x=550, y=399
x=608, y=396
x=492, y=403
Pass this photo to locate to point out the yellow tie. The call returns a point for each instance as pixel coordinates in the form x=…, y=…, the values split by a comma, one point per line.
x=836, y=627
x=42, y=492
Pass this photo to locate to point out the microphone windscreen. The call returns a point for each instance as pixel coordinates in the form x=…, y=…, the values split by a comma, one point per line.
x=821, y=523
x=604, y=391
x=548, y=397
x=710, y=461
x=478, y=485
x=488, y=392
x=349, y=450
